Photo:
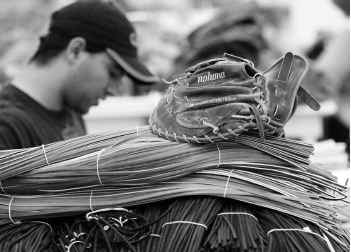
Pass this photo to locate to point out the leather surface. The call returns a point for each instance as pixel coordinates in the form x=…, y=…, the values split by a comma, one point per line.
x=224, y=97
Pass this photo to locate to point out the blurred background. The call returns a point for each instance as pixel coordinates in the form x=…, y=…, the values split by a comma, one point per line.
x=175, y=34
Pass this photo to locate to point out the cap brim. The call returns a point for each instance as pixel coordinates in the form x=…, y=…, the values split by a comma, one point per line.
x=134, y=68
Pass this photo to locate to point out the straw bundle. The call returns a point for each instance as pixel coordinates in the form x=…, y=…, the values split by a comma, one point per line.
x=132, y=168
x=18, y=161
x=292, y=234
x=245, y=232
x=287, y=199
x=185, y=227
x=143, y=161
x=130, y=159
x=29, y=236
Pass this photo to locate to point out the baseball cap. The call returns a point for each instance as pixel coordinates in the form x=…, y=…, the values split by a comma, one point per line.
x=105, y=27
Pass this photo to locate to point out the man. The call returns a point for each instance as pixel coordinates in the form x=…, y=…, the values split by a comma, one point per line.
x=89, y=46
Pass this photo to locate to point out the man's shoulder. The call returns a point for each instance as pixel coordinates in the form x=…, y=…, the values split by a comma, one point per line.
x=14, y=117
x=16, y=130
x=16, y=114
x=12, y=107
x=17, y=105
x=11, y=97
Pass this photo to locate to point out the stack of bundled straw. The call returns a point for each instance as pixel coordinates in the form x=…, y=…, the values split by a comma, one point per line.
x=133, y=191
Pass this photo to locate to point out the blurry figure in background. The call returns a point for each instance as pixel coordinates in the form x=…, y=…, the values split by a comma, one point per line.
x=330, y=79
x=89, y=47
x=236, y=30
x=244, y=28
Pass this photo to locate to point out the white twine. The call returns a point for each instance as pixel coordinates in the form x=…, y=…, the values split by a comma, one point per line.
x=91, y=201
x=97, y=165
x=219, y=156
x=72, y=243
x=89, y=217
x=46, y=157
x=2, y=188
x=238, y=213
x=305, y=230
x=226, y=185
x=9, y=212
x=137, y=130
x=330, y=246
x=287, y=229
x=184, y=222
x=45, y=223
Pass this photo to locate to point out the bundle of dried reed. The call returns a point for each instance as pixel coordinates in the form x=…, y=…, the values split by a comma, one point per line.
x=134, y=168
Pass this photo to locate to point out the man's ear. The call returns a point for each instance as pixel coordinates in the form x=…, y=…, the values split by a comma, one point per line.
x=75, y=48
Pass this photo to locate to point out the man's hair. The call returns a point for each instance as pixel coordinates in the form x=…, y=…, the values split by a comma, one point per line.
x=46, y=51
x=51, y=45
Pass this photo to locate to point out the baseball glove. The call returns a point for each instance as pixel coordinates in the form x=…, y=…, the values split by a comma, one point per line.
x=221, y=98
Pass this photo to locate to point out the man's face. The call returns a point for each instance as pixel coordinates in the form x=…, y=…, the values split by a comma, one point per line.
x=94, y=77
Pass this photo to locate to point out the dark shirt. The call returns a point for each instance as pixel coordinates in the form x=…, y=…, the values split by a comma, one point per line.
x=26, y=123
